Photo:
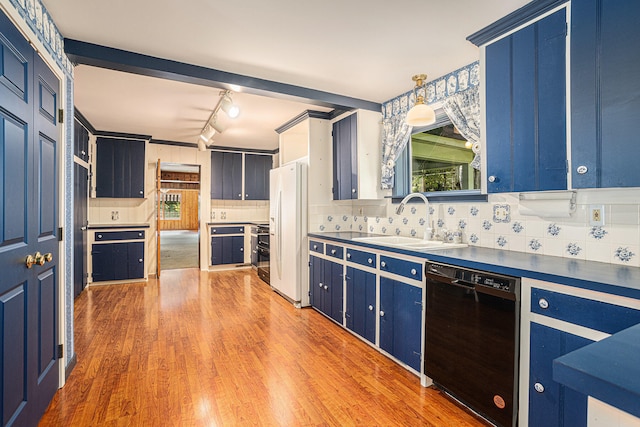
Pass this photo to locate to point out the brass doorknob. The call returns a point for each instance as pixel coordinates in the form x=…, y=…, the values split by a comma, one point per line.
x=39, y=258
x=29, y=261
x=48, y=257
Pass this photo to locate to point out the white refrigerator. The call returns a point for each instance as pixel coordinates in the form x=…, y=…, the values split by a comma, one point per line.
x=288, y=232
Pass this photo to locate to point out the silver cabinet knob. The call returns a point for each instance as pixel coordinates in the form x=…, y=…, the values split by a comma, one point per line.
x=370, y=307
x=326, y=287
x=214, y=230
x=370, y=261
x=239, y=194
x=246, y=196
x=413, y=271
x=381, y=313
x=383, y=264
x=582, y=169
x=141, y=192
x=543, y=303
x=139, y=234
x=139, y=259
x=83, y=228
x=353, y=190
x=333, y=251
x=348, y=255
x=315, y=247
x=99, y=236
x=538, y=387
x=241, y=249
x=83, y=152
x=492, y=178
x=320, y=285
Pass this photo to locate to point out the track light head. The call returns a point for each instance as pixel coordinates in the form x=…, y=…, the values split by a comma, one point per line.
x=228, y=106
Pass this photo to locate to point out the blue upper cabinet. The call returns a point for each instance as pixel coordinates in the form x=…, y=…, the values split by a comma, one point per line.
x=605, y=93
x=256, y=176
x=226, y=175
x=526, y=108
x=120, y=167
x=345, y=166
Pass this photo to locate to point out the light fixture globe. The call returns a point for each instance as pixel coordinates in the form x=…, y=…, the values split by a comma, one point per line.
x=420, y=114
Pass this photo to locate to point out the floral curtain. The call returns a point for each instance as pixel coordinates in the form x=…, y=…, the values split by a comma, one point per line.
x=463, y=108
x=395, y=135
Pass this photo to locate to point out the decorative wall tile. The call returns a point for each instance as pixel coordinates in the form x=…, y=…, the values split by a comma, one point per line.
x=597, y=232
x=624, y=254
x=553, y=230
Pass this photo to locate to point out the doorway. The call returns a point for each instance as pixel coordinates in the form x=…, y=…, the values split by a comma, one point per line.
x=179, y=216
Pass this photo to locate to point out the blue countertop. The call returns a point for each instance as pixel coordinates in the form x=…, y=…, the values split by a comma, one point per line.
x=608, y=370
x=609, y=278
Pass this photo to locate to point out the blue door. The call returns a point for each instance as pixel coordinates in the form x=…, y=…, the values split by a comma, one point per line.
x=28, y=224
x=361, y=303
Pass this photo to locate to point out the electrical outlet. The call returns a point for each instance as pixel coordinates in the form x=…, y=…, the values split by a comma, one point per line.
x=596, y=215
x=115, y=215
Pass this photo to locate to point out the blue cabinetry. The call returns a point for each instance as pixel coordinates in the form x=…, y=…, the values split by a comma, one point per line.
x=361, y=310
x=551, y=404
x=345, y=166
x=605, y=93
x=80, y=141
x=526, y=108
x=256, y=176
x=117, y=255
x=401, y=320
x=326, y=287
x=227, y=245
x=226, y=175
x=120, y=168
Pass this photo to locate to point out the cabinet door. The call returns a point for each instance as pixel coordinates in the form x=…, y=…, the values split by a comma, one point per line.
x=120, y=167
x=316, y=287
x=81, y=141
x=256, y=176
x=605, y=93
x=216, y=251
x=102, y=262
x=254, y=251
x=345, y=170
x=226, y=175
x=401, y=320
x=135, y=260
x=236, y=249
x=551, y=404
x=361, y=303
x=526, y=108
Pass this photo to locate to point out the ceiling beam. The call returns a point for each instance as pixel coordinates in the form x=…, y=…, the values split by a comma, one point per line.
x=80, y=52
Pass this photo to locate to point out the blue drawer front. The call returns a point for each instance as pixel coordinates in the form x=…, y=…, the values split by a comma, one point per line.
x=412, y=270
x=362, y=258
x=334, y=251
x=105, y=236
x=227, y=230
x=316, y=247
x=600, y=316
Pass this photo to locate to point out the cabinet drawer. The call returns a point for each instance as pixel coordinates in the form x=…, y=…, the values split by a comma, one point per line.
x=316, y=247
x=118, y=235
x=227, y=230
x=597, y=315
x=334, y=251
x=361, y=257
x=412, y=270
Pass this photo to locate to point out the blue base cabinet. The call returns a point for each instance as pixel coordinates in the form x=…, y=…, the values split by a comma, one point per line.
x=401, y=321
x=361, y=309
x=326, y=287
x=117, y=261
x=526, y=108
x=550, y=403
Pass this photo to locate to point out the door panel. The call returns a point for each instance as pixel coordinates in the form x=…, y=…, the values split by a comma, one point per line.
x=80, y=196
x=28, y=224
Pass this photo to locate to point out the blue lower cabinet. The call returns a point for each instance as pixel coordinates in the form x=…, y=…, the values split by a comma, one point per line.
x=550, y=403
x=227, y=250
x=361, y=310
x=117, y=261
x=326, y=287
x=401, y=320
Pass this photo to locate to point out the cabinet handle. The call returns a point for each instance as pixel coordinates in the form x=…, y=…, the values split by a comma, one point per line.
x=246, y=196
x=370, y=261
x=315, y=247
x=348, y=255
x=99, y=236
x=83, y=228
x=326, y=287
x=139, y=259
x=370, y=307
x=83, y=152
x=320, y=284
x=239, y=194
x=139, y=234
x=333, y=251
x=241, y=249
x=353, y=190
x=214, y=230
x=538, y=387
x=543, y=303
x=582, y=169
x=413, y=271
x=383, y=264
x=493, y=178
x=381, y=313
x=141, y=192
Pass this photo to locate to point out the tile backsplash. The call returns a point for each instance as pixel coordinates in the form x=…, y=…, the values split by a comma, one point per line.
x=498, y=224
x=239, y=210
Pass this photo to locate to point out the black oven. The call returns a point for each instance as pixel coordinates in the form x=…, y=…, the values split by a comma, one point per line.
x=471, y=342
x=262, y=252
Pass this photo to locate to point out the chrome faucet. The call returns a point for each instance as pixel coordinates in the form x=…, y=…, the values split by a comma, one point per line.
x=428, y=230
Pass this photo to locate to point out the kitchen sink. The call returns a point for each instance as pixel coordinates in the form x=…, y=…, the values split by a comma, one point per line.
x=408, y=242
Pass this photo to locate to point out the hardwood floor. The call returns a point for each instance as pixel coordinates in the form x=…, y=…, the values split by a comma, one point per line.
x=221, y=349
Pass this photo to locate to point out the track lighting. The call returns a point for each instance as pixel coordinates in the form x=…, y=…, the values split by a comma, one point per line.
x=212, y=126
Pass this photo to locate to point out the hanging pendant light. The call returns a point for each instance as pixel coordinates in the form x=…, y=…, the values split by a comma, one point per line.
x=420, y=114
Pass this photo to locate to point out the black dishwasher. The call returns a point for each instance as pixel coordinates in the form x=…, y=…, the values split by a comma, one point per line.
x=472, y=338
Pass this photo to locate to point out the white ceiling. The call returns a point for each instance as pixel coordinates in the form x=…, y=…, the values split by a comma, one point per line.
x=362, y=49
